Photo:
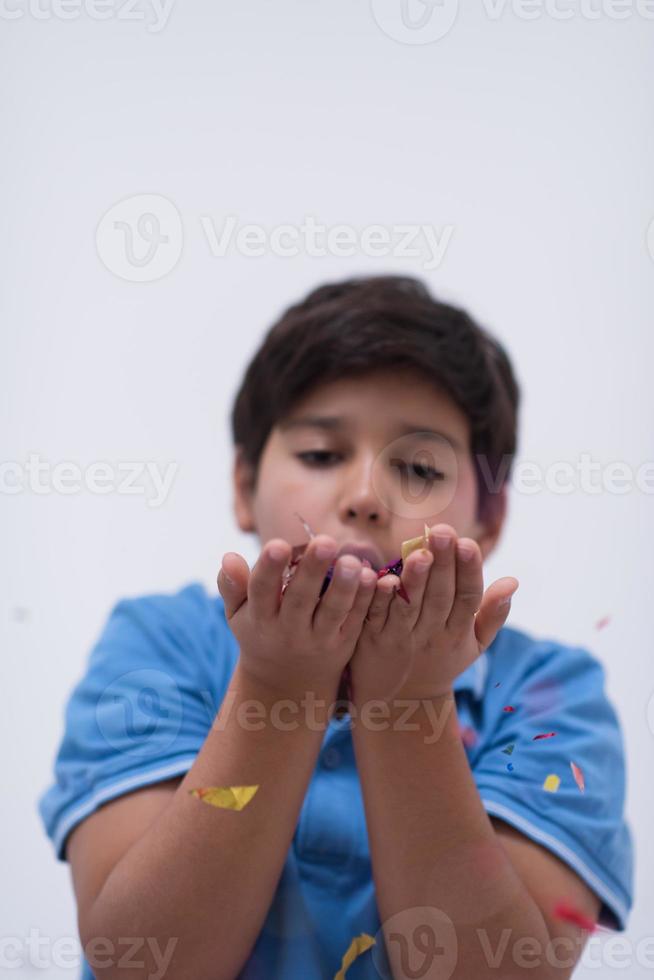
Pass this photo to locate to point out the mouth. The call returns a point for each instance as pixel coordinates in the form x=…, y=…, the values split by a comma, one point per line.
x=367, y=553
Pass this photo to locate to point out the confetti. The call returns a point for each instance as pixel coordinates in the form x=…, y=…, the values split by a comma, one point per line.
x=579, y=776
x=358, y=946
x=508, y=707
x=498, y=684
x=226, y=797
x=570, y=914
x=509, y=749
x=413, y=544
x=552, y=783
x=601, y=623
x=468, y=736
x=509, y=766
x=545, y=735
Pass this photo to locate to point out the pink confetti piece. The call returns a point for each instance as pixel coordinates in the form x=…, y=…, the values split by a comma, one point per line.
x=544, y=735
x=508, y=707
x=601, y=623
x=562, y=910
x=579, y=776
x=468, y=736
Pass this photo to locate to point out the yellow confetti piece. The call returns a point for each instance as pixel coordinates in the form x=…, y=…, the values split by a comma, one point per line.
x=412, y=544
x=358, y=946
x=579, y=776
x=227, y=797
x=552, y=783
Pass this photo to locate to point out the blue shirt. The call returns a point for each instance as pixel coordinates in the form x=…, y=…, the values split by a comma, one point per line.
x=158, y=673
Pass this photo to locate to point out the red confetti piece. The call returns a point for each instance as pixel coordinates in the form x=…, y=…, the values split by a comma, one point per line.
x=601, y=623
x=508, y=707
x=570, y=914
x=579, y=776
x=545, y=735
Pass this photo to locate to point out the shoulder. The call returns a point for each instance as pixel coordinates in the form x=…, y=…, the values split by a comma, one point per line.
x=186, y=627
x=518, y=660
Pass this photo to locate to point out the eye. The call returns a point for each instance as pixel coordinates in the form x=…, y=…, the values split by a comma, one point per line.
x=427, y=473
x=313, y=453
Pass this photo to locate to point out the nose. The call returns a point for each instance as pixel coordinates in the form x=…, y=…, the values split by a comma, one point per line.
x=359, y=500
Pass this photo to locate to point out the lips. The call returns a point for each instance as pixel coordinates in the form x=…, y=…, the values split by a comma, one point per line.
x=362, y=551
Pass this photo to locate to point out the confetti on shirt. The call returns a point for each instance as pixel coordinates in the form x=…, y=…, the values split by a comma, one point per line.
x=601, y=623
x=498, y=684
x=509, y=766
x=468, y=736
x=226, y=797
x=508, y=707
x=552, y=783
x=570, y=914
x=509, y=749
x=579, y=776
x=358, y=946
x=545, y=735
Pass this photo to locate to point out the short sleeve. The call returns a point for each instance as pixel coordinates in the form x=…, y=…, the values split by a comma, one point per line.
x=152, y=685
x=561, y=696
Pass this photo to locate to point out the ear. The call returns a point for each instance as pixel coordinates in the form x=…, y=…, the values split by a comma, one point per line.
x=243, y=489
x=488, y=531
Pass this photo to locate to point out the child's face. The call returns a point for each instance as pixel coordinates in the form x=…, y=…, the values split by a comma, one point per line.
x=362, y=479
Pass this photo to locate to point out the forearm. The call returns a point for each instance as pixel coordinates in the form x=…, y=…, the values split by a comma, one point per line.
x=206, y=876
x=432, y=843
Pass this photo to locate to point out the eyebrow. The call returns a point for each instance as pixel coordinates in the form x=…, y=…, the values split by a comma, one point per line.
x=339, y=422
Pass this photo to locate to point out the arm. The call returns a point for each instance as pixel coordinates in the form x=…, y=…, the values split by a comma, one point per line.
x=433, y=844
x=205, y=876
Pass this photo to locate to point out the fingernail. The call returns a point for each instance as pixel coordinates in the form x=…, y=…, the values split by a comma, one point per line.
x=349, y=571
x=504, y=602
x=276, y=552
x=441, y=541
x=226, y=578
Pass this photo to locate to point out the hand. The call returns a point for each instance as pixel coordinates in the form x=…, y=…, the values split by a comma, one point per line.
x=417, y=650
x=297, y=641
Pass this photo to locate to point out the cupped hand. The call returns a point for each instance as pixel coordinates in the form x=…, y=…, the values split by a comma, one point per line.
x=417, y=650
x=298, y=641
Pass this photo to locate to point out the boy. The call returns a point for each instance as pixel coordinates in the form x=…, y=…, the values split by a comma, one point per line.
x=464, y=817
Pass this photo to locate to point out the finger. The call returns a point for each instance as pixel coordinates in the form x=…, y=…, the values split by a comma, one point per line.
x=354, y=621
x=303, y=591
x=469, y=586
x=439, y=591
x=338, y=600
x=232, y=581
x=494, y=610
x=415, y=575
x=377, y=614
x=265, y=586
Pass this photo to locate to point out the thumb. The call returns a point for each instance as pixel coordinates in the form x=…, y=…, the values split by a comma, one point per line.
x=494, y=610
x=232, y=581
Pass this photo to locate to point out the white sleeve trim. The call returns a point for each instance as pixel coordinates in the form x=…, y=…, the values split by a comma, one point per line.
x=599, y=886
x=117, y=789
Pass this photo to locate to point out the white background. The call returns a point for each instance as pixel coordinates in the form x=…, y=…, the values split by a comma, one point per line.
x=531, y=138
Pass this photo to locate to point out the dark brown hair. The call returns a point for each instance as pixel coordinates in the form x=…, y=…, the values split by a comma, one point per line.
x=356, y=326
